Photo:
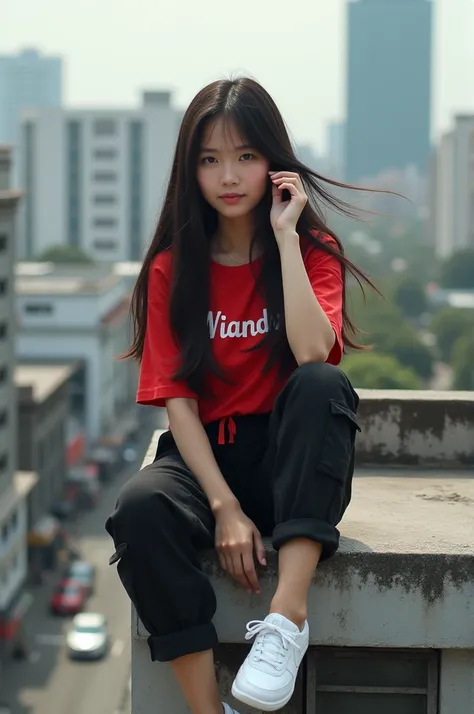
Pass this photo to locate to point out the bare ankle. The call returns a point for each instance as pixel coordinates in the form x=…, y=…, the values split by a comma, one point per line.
x=292, y=612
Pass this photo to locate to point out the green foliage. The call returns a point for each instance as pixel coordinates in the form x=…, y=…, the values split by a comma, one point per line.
x=386, y=330
x=448, y=325
x=458, y=271
x=64, y=254
x=463, y=361
x=410, y=297
x=368, y=370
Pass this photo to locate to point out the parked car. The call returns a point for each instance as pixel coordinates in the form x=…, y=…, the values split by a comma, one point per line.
x=88, y=637
x=68, y=598
x=82, y=572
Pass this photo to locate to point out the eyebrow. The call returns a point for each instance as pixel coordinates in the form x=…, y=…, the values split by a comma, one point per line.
x=208, y=150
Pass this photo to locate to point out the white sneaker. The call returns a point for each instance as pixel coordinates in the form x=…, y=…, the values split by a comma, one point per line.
x=266, y=680
x=228, y=710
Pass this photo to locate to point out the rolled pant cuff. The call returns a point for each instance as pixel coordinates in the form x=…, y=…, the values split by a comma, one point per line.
x=178, y=644
x=311, y=528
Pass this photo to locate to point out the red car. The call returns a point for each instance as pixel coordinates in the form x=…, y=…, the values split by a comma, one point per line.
x=68, y=598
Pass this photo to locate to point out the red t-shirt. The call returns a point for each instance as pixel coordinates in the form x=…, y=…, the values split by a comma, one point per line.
x=237, y=320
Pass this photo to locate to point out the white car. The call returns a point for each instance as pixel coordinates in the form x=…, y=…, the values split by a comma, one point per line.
x=88, y=637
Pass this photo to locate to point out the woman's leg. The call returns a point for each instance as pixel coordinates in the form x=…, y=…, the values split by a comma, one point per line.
x=309, y=466
x=161, y=521
x=312, y=432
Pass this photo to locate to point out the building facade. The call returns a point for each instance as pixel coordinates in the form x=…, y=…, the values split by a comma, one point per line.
x=389, y=86
x=94, y=179
x=81, y=315
x=14, y=486
x=451, y=209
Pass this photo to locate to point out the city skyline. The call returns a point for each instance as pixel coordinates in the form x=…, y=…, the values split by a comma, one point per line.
x=184, y=48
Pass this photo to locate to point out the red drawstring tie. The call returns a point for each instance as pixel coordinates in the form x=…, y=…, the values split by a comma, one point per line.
x=232, y=430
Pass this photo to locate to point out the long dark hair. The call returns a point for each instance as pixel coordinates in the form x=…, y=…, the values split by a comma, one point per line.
x=187, y=223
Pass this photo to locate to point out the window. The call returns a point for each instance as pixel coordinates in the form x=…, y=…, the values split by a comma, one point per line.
x=14, y=521
x=3, y=374
x=3, y=462
x=74, y=177
x=39, y=308
x=105, y=176
x=3, y=241
x=105, y=154
x=105, y=222
x=3, y=287
x=4, y=532
x=3, y=330
x=104, y=199
x=105, y=244
x=105, y=127
x=3, y=417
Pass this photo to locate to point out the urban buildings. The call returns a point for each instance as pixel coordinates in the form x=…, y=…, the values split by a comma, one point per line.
x=94, y=179
x=14, y=486
x=451, y=209
x=28, y=79
x=80, y=314
x=389, y=86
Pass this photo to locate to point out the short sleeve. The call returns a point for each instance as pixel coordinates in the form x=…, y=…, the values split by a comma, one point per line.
x=160, y=358
x=325, y=275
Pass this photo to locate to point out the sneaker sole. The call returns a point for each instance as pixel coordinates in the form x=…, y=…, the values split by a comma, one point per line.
x=257, y=703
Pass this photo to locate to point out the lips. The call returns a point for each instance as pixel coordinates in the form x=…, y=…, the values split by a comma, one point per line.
x=231, y=198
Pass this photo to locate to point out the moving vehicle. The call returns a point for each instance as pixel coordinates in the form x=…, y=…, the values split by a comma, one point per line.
x=88, y=636
x=68, y=598
x=82, y=572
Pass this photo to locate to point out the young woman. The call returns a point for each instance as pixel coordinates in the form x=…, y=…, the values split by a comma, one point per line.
x=240, y=320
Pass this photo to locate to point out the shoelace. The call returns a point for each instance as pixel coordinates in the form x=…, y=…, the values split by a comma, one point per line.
x=272, y=642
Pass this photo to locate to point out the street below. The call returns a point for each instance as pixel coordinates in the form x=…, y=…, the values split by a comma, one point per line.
x=48, y=682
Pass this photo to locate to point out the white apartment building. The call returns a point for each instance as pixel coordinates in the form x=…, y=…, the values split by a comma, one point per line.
x=95, y=178
x=66, y=314
x=452, y=200
x=14, y=487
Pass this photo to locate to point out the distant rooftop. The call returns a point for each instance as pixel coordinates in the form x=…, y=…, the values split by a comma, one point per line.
x=44, y=379
x=51, y=284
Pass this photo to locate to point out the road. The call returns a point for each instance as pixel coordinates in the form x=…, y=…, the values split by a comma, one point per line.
x=49, y=683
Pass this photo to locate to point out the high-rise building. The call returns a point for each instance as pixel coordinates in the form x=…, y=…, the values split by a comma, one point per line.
x=14, y=486
x=28, y=79
x=389, y=86
x=94, y=179
x=451, y=209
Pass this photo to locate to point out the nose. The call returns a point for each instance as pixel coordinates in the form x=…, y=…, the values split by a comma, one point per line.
x=229, y=175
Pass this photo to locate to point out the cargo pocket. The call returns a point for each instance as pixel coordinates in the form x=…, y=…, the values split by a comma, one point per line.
x=339, y=440
x=337, y=459
x=125, y=572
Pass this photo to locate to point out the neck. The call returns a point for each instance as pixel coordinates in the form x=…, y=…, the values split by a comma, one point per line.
x=235, y=235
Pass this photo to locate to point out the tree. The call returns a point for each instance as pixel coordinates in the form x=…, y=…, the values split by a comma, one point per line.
x=463, y=362
x=64, y=254
x=368, y=370
x=457, y=272
x=410, y=297
x=405, y=345
x=448, y=325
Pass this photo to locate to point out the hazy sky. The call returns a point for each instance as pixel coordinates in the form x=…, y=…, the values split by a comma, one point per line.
x=114, y=48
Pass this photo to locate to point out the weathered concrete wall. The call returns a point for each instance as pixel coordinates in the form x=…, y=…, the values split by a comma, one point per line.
x=416, y=427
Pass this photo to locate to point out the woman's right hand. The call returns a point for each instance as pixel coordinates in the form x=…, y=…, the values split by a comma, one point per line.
x=236, y=538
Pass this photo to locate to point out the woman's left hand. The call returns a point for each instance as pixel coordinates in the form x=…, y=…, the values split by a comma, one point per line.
x=284, y=215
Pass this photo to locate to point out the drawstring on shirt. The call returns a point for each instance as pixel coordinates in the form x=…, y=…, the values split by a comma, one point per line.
x=232, y=431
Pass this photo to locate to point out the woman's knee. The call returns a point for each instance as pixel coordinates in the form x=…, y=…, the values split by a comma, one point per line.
x=323, y=381
x=141, y=500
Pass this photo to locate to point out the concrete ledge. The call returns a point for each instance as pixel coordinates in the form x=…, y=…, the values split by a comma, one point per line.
x=426, y=428
x=407, y=548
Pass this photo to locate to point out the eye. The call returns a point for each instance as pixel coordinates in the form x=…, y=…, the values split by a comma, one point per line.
x=248, y=156
x=208, y=159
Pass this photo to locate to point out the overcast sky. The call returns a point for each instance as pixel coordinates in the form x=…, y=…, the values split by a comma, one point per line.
x=114, y=48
